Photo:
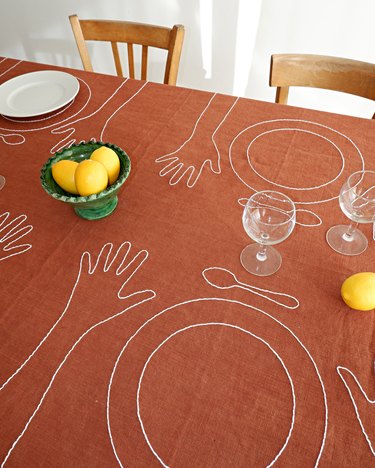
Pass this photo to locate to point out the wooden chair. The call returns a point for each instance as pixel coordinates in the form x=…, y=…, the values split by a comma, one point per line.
x=146, y=35
x=319, y=71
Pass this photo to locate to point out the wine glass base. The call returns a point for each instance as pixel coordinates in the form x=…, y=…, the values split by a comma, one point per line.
x=251, y=262
x=2, y=181
x=339, y=241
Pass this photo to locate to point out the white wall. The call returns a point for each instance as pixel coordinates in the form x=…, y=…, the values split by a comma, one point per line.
x=227, y=46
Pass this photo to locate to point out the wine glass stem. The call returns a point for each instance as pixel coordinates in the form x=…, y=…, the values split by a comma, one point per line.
x=348, y=236
x=262, y=255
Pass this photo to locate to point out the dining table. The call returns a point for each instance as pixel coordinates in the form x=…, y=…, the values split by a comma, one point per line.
x=139, y=339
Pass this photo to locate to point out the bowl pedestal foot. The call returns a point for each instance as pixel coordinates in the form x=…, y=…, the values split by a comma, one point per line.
x=101, y=211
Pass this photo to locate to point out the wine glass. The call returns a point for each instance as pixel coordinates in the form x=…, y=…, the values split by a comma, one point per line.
x=357, y=201
x=268, y=218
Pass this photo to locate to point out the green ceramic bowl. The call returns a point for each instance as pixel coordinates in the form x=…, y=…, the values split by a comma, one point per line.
x=91, y=207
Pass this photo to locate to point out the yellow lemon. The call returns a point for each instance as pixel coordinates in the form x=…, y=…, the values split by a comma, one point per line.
x=110, y=161
x=90, y=177
x=63, y=174
x=358, y=291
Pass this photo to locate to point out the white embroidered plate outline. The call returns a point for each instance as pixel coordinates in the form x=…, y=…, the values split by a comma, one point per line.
x=222, y=301
x=285, y=125
x=11, y=233
x=43, y=119
x=117, y=263
x=248, y=154
x=215, y=324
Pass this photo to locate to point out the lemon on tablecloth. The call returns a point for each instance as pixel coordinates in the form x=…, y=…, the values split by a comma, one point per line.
x=110, y=161
x=63, y=174
x=358, y=291
x=90, y=177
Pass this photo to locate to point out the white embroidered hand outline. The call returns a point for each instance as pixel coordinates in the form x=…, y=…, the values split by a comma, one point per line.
x=11, y=233
x=104, y=273
x=358, y=396
x=78, y=128
x=176, y=164
x=109, y=270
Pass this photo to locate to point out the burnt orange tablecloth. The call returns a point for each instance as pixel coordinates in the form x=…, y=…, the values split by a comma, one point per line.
x=137, y=340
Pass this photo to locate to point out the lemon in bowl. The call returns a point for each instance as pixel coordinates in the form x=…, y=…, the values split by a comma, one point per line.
x=90, y=178
x=109, y=159
x=95, y=196
x=63, y=173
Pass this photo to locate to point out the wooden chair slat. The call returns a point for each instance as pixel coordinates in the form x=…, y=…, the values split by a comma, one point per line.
x=144, y=62
x=131, y=60
x=146, y=35
x=116, y=56
x=321, y=71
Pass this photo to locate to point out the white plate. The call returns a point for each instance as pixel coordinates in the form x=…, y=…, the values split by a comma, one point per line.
x=37, y=93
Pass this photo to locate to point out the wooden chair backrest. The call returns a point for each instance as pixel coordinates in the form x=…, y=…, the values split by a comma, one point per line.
x=320, y=71
x=146, y=35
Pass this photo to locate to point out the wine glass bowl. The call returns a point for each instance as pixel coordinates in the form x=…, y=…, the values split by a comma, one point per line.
x=268, y=218
x=357, y=202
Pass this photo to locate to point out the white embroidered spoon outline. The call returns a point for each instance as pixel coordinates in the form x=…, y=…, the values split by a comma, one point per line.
x=229, y=281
